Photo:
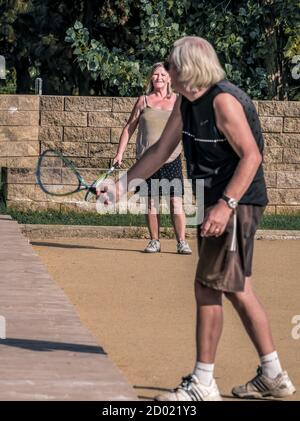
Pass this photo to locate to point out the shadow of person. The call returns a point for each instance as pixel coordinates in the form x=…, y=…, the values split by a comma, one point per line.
x=79, y=246
x=46, y=346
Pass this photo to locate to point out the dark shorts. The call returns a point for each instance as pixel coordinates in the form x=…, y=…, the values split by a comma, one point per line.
x=222, y=269
x=172, y=174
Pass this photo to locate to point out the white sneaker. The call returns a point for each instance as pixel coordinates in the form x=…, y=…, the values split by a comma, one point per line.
x=191, y=389
x=152, y=247
x=183, y=247
x=261, y=386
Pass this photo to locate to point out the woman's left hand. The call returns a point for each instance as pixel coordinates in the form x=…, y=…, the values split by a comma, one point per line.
x=216, y=220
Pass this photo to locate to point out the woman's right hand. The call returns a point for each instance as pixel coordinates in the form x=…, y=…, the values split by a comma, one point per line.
x=118, y=159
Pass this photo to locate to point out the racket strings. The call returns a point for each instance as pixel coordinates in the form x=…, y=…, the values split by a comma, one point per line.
x=56, y=175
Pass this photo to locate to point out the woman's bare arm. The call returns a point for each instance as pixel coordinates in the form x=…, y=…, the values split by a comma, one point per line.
x=129, y=129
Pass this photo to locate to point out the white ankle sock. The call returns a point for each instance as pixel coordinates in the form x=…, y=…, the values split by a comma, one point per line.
x=270, y=365
x=204, y=372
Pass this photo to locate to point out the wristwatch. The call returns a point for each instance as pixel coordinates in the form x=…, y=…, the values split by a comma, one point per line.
x=231, y=203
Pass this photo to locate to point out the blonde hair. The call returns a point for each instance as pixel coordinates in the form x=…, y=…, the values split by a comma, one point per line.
x=197, y=63
x=149, y=85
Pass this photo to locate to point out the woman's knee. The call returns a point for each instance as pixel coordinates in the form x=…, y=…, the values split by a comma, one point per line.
x=176, y=205
x=153, y=205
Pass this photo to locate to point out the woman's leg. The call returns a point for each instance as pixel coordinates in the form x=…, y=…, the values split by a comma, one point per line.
x=153, y=218
x=177, y=217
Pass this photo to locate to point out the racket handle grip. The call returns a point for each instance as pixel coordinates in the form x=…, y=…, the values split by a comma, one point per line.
x=93, y=190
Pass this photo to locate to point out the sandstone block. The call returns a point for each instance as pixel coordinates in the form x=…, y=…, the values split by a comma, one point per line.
x=271, y=124
x=25, y=205
x=289, y=140
x=51, y=134
x=102, y=150
x=19, y=118
x=19, y=102
x=288, y=196
x=288, y=179
x=51, y=103
x=273, y=154
x=107, y=119
x=19, y=133
x=291, y=125
x=123, y=105
x=271, y=178
x=82, y=103
x=279, y=108
x=22, y=162
x=288, y=210
x=291, y=155
x=87, y=134
x=63, y=118
x=12, y=149
x=21, y=175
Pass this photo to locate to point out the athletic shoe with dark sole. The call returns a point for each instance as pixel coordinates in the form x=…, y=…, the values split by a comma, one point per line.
x=261, y=386
x=190, y=389
x=153, y=247
x=183, y=247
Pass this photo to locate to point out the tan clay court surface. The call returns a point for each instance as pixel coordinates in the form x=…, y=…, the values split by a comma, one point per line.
x=141, y=309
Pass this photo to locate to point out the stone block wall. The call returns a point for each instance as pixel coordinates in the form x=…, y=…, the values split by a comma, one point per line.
x=87, y=129
x=281, y=127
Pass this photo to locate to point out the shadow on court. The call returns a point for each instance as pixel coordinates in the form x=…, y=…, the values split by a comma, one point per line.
x=157, y=391
x=77, y=246
x=46, y=346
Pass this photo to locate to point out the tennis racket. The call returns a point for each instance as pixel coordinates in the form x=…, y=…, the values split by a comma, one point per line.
x=57, y=175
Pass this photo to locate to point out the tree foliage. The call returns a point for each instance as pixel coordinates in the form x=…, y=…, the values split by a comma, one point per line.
x=123, y=66
x=107, y=47
x=32, y=36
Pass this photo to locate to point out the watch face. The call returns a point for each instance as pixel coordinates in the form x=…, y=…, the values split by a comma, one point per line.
x=232, y=203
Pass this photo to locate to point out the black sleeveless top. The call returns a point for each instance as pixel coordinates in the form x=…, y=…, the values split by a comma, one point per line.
x=208, y=153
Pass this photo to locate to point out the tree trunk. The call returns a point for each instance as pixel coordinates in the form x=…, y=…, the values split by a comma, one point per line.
x=272, y=65
x=274, y=73
x=23, y=77
x=84, y=79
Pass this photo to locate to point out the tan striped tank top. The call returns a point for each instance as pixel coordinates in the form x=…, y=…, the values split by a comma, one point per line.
x=151, y=125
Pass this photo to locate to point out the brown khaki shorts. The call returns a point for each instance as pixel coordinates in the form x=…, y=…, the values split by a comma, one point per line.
x=222, y=269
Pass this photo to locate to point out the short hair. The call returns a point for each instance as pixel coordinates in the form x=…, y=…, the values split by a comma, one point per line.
x=149, y=85
x=197, y=63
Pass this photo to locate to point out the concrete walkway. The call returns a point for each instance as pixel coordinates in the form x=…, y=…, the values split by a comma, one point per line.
x=47, y=354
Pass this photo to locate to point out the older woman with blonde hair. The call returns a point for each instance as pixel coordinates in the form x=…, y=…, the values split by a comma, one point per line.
x=150, y=114
x=223, y=145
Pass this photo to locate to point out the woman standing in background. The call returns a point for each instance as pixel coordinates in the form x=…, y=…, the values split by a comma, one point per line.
x=151, y=113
